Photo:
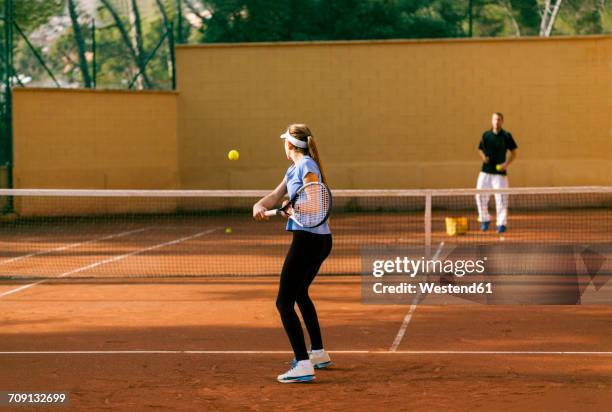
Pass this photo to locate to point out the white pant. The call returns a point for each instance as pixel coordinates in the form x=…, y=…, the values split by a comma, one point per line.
x=492, y=181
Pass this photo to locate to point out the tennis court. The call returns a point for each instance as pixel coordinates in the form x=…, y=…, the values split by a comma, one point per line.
x=146, y=299
x=139, y=148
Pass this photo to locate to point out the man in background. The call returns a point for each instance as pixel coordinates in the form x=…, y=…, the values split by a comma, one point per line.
x=493, y=147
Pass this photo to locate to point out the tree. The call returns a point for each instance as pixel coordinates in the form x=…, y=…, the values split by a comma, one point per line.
x=582, y=17
x=136, y=38
x=268, y=20
x=80, y=41
x=28, y=16
x=32, y=14
x=167, y=26
x=549, y=14
x=135, y=52
x=126, y=43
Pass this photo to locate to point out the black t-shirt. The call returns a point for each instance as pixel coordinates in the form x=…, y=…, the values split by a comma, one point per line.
x=495, y=147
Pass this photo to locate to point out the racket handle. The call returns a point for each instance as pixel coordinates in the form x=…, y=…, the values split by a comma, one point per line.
x=272, y=212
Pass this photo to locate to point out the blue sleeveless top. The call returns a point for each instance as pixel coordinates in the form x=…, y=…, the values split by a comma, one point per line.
x=295, y=179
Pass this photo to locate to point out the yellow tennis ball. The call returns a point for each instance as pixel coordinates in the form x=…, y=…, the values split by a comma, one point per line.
x=228, y=230
x=233, y=155
x=499, y=168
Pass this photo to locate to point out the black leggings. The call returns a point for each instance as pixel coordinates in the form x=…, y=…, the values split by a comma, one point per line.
x=304, y=258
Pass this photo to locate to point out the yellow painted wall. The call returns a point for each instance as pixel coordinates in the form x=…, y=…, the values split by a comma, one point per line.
x=397, y=114
x=86, y=139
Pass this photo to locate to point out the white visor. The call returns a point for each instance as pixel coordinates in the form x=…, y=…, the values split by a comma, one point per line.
x=294, y=141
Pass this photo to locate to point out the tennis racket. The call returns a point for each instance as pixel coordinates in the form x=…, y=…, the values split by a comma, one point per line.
x=310, y=206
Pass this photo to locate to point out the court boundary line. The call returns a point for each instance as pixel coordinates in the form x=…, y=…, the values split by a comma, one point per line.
x=71, y=246
x=109, y=260
x=283, y=352
x=404, y=326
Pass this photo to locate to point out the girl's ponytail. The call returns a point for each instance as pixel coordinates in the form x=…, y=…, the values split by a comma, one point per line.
x=314, y=153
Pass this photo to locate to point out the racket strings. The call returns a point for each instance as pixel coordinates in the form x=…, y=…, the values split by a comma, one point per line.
x=312, y=205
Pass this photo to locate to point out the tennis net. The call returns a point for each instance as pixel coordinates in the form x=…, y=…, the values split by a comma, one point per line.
x=114, y=234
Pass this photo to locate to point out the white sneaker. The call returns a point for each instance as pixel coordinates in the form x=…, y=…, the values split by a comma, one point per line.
x=320, y=359
x=303, y=371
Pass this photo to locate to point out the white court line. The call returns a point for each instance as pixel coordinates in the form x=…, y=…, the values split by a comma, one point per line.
x=283, y=352
x=70, y=246
x=413, y=306
x=498, y=352
x=110, y=260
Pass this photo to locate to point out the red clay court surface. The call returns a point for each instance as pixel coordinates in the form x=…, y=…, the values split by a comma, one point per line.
x=217, y=344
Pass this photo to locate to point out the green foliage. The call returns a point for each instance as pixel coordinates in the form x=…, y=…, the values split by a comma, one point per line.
x=63, y=58
x=28, y=15
x=31, y=14
x=298, y=20
x=527, y=15
x=490, y=19
x=579, y=17
x=271, y=21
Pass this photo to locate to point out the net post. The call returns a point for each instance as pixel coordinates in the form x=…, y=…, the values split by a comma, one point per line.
x=428, y=223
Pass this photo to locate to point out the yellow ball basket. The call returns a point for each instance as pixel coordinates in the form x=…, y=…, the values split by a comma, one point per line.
x=456, y=226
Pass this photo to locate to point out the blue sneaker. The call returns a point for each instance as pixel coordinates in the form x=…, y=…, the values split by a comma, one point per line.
x=484, y=226
x=501, y=229
x=303, y=371
x=319, y=359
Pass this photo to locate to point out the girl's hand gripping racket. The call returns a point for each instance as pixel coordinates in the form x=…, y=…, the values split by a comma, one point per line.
x=309, y=207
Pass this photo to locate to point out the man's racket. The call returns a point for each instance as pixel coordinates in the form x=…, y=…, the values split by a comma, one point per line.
x=310, y=206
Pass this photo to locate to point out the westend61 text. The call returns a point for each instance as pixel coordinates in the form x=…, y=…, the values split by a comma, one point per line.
x=431, y=288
